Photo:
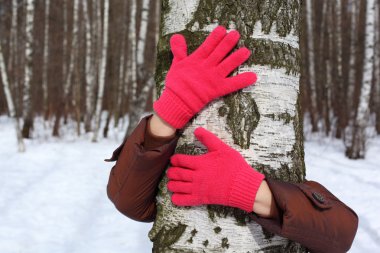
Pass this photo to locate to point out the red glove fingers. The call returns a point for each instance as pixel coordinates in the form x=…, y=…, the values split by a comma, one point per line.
x=195, y=80
x=221, y=176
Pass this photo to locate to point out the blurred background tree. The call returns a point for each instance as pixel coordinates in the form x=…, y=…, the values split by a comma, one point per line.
x=67, y=59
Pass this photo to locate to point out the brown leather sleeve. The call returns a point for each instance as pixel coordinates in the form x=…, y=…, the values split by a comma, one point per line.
x=133, y=180
x=312, y=216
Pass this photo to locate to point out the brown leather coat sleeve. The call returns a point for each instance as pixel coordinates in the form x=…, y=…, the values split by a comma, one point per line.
x=308, y=212
x=312, y=216
x=133, y=180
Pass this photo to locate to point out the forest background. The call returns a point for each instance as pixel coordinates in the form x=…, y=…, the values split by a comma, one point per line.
x=93, y=62
x=77, y=76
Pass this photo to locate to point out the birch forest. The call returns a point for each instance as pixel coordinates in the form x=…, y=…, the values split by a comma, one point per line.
x=92, y=62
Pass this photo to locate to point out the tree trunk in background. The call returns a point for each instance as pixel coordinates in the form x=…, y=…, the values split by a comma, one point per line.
x=357, y=146
x=311, y=63
x=121, y=85
x=10, y=103
x=352, y=69
x=102, y=71
x=377, y=69
x=133, y=114
x=325, y=65
x=339, y=111
x=46, y=60
x=263, y=122
x=89, y=69
x=143, y=32
x=138, y=100
x=13, y=63
x=27, y=101
x=67, y=73
x=72, y=56
x=157, y=21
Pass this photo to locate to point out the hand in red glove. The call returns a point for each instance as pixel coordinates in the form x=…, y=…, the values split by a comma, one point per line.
x=195, y=80
x=221, y=176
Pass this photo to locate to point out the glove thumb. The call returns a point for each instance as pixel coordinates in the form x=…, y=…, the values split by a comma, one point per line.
x=207, y=138
x=178, y=46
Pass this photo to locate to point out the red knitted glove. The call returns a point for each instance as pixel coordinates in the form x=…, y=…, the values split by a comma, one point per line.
x=221, y=176
x=195, y=80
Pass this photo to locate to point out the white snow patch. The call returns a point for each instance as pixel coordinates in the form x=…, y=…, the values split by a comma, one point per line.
x=53, y=197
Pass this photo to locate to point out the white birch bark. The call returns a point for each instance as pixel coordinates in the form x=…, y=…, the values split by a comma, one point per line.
x=377, y=68
x=327, y=105
x=143, y=32
x=120, y=84
x=46, y=57
x=102, y=71
x=64, y=42
x=191, y=229
x=157, y=22
x=358, y=145
x=352, y=66
x=13, y=64
x=10, y=103
x=13, y=39
x=89, y=68
x=338, y=11
x=27, y=102
x=311, y=61
x=136, y=63
x=73, y=51
x=132, y=41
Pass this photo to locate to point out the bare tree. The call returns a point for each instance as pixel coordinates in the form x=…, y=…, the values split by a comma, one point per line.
x=353, y=48
x=377, y=69
x=138, y=101
x=143, y=32
x=27, y=100
x=13, y=52
x=311, y=63
x=102, y=71
x=262, y=121
x=46, y=59
x=67, y=73
x=10, y=103
x=89, y=68
x=357, y=146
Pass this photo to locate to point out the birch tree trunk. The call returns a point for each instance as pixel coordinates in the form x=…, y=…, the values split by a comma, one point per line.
x=358, y=141
x=131, y=65
x=311, y=63
x=377, y=69
x=131, y=76
x=102, y=72
x=138, y=101
x=10, y=103
x=73, y=52
x=46, y=60
x=352, y=68
x=67, y=73
x=64, y=43
x=325, y=68
x=339, y=77
x=142, y=39
x=27, y=101
x=121, y=82
x=263, y=121
x=89, y=68
x=13, y=56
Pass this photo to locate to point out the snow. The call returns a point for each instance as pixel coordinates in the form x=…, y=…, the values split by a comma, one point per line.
x=53, y=196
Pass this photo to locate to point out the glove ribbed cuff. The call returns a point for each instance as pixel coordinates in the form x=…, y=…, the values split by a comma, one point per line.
x=244, y=189
x=171, y=109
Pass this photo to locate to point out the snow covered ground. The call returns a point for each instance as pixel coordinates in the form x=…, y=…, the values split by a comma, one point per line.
x=53, y=197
